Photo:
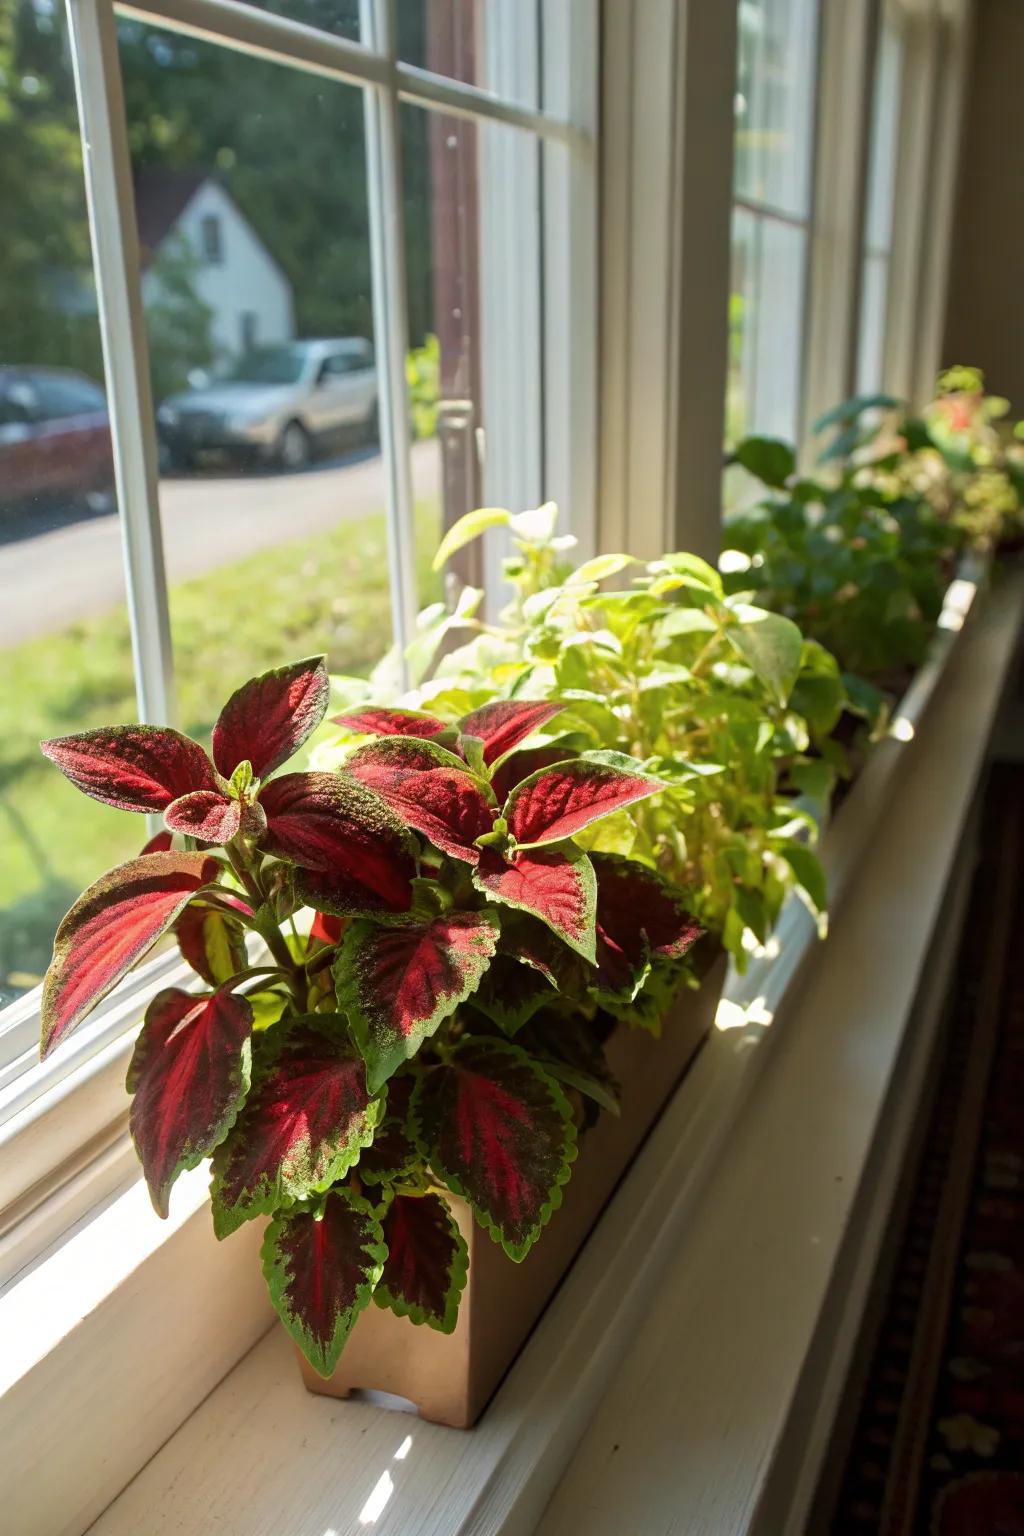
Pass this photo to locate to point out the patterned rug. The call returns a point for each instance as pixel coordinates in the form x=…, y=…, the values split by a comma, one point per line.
x=939, y=1445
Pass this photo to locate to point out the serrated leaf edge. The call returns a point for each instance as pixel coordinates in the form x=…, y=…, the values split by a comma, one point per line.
x=274, y=1274
x=517, y=1252
x=458, y=1274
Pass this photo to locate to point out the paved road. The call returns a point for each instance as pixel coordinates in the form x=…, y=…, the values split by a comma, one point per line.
x=50, y=580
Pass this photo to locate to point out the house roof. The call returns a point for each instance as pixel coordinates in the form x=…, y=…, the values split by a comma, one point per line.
x=161, y=197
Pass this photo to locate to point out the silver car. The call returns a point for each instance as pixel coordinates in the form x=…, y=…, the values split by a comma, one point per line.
x=278, y=405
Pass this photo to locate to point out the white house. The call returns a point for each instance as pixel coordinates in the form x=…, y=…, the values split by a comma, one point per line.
x=236, y=275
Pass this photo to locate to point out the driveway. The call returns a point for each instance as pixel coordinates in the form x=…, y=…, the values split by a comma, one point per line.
x=49, y=580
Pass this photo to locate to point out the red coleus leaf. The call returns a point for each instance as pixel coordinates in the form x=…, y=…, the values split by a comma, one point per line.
x=430, y=790
x=427, y=1263
x=325, y=822
x=205, y=814
x=266, y=721
x=391, y=1155
x=305, y=1121
x=325, y=928
x=132, y=767
x=639, y=916
x=109, y=929
x=392, y=722
x=558, y=802
x=160, y=843
x=189, y=1073
x=500, y=1132
x=398, y=984
x=520, y=765
x=555, y=884
x=321, y=1266
x=504, y=723
x=212, y=943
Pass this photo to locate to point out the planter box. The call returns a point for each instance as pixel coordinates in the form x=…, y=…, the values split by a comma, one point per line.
x=451, y=1377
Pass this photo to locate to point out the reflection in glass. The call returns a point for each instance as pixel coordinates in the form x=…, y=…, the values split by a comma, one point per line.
x=775, y=90
x=272, y=492
x=65, y=653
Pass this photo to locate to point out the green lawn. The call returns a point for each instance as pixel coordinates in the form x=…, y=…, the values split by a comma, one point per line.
x=326, y=593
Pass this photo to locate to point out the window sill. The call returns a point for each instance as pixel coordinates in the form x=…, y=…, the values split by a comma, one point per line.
x=151, y=1341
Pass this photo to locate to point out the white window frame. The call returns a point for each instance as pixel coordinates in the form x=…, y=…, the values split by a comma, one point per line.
x=61, y=1118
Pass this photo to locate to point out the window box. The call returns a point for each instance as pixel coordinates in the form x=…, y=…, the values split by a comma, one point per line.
x=451, y=1377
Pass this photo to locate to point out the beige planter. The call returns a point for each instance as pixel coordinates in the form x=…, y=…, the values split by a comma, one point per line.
x=450, y=1377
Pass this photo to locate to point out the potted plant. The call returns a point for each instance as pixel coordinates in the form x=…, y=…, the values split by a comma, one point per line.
x=426, y=978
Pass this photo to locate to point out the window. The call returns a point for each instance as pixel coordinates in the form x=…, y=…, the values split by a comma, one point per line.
x=772, y=215
x=212, y=249
x=880, y=207
x=62, y=395
x=261, y=518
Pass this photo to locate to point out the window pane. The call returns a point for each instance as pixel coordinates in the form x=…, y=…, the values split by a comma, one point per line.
x=766, y=341
x=871, y=339
x=775, y=103
x=340, y=17
x=493, y=45
x=65, y=654
x=885, y=115
x=272, y=489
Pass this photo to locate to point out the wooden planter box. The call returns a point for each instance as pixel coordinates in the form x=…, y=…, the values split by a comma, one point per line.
x=451, y=1377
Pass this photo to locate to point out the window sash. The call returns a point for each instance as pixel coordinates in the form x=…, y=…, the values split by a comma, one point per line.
x=560, y=432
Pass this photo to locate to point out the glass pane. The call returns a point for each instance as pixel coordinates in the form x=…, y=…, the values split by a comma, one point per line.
x=775, y=93
x=340, y=17
x=766, y=327
x=65, y=654
x=885, y=116
x=258, y=304
x=493, y=45
x=871, y=340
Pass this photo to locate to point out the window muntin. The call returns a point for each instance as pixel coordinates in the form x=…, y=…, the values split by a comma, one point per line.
x=772, y=219
x=65, y=656
x=880, y=207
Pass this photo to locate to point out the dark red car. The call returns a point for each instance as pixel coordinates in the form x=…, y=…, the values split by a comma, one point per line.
x=54, y=440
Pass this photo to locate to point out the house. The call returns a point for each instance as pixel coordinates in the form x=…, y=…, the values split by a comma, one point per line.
x=247, y=290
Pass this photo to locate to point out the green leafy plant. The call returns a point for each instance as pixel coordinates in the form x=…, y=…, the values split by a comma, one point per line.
x=406, y=971
x=861, y=552
x=719, y=699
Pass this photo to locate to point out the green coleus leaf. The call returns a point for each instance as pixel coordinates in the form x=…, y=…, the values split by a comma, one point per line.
x=511, y=992
x=189, y=1075
x=500, y=1132
x=398, y=985
x=307, y=1118
x=469, y=527
x=427, y=1263
x=770, y=645
x=321, y=1263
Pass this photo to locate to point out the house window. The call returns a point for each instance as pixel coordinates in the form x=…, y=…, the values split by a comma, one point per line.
x=411, y=225
x=249, y=329
x=880, y=207
x=772, y=215
x=213, y=249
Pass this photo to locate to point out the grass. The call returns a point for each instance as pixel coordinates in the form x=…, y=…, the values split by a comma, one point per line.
x=324, y=593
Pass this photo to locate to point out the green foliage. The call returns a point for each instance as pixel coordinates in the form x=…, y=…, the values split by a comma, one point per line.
x=699, y=686
x=422, y=375
x=179, y=324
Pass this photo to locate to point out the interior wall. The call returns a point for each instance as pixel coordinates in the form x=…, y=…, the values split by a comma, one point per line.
x=985, y=306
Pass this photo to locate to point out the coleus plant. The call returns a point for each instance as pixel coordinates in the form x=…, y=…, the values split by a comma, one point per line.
x=405, y=973
x=722, y=700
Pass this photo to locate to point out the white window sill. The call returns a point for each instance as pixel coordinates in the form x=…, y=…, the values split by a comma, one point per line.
x=128, y=1356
